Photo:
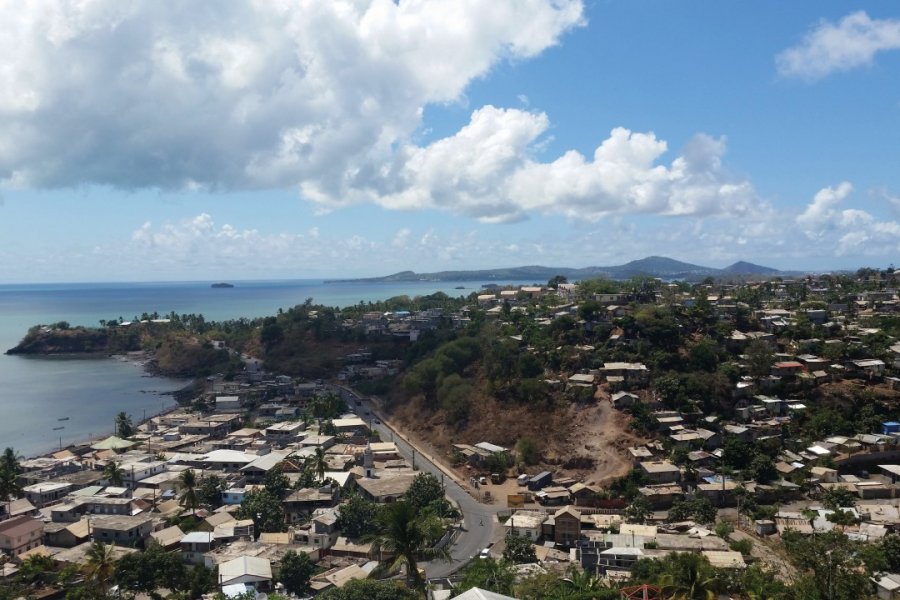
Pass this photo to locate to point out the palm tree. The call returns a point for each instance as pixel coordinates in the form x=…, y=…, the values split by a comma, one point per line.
x=9, y=460
x=319, y=463
x=113, y=473
x=584, y=583
x=407, y=537
x=689, y=576
x=9, y=474
x=100, y=566
x=124, y=426
x=189, y=480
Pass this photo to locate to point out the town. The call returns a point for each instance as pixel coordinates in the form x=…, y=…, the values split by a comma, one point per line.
x=736, y=434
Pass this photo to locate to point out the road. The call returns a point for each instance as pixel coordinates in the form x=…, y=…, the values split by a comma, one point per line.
x=477, y=528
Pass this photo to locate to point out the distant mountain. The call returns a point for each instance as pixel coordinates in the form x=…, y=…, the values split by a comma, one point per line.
x=652, y=266
x=745, y=268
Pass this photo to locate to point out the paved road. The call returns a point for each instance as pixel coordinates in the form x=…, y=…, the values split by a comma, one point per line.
x=478, y=519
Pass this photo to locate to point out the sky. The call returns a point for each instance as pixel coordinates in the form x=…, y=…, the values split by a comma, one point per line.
x=268, y=139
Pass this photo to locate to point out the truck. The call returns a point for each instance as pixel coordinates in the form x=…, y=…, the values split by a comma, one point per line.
x=523, y=479
x=542, y=479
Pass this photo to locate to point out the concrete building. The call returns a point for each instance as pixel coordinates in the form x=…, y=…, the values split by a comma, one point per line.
x=20, y=534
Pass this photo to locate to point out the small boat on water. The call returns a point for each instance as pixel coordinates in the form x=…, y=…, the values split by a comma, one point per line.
x=58, y=428
x=63, y=419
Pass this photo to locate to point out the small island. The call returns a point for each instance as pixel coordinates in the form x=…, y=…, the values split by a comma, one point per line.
x=222, y=285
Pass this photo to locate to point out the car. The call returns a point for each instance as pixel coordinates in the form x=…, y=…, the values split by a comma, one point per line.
x=486, y=553
x=377, y=422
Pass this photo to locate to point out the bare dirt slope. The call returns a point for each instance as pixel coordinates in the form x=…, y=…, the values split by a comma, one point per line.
x=587, y=442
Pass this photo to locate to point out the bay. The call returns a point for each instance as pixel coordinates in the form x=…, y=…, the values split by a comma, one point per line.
x=36, y=392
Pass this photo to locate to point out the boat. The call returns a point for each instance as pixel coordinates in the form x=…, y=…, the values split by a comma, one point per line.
x=63, y=419
x=58, y=428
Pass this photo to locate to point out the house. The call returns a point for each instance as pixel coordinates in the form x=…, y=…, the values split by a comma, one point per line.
x=195, y=544
x=250, y=570
x=526, y=523
x=20, y=534
x=660, y=471
x=301, y=503
x=169, y=538
x=622, y=400
x=66, y=535
x=42, y=494
x=228, y=404
x=127, y=531
x=255, y=472
x=388, y=487
x=567, y=526
x=887, y=586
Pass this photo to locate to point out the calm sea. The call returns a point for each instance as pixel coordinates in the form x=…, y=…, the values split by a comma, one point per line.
x=35, y=393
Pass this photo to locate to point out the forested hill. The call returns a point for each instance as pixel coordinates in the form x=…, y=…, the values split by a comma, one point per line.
x=652, y=266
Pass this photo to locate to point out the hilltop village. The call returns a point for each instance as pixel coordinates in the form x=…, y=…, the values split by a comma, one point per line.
x=596, y=439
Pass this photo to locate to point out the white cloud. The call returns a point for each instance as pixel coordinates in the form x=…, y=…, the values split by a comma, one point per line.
x=235, y=95
x=401, y=238
x=850, y=231
x=324, y=97
x=486, y=171
x=821, y=212
x=852, y=42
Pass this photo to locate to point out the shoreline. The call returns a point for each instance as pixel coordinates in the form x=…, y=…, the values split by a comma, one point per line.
x=142, y=359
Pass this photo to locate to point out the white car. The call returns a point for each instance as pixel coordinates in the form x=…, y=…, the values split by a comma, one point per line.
x=486, y=553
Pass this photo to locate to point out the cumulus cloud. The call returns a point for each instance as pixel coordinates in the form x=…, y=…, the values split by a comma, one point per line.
x=211, y=95
x=486, y=171
x=831, y=47
x=849, y=231
x=324, y=97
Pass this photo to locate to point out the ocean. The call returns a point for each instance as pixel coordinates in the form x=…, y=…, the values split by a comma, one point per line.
x=47, y=403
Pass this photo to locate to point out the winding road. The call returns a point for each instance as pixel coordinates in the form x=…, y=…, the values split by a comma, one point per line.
x=478, y=523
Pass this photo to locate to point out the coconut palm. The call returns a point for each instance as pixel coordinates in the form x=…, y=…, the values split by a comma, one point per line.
x=689, y=576
x=113, y=473
x=584, y=583
x=319, y=463
x=407, y=537
x=9, y=460
x=100, y=566
x=124, y=426
x=9, y=474
x=188, y=480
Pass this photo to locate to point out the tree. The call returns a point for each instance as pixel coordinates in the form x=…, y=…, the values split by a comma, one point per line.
x=295, y=571
x=113, y=473
x=838, y=497
x=124, y=426
x=529, y=451
x=496, y=576
x=890, y=548
x=408, y=537
x=265, y=509
x=519, y=550
x=319, y=463
x=276, y=482
x=759, y=358
x=100, y=566
x=639, y=510
x=834, y=564
x=188, y=480
x=556, y=280
x=424, y=490
x=357, y=516
x=688, y=576
x=209, y=492
x=148, y=570
x=9, y=474
x=368, y=589
x=699, y=509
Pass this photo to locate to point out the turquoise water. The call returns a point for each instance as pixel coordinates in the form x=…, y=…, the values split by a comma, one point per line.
x=36, y=392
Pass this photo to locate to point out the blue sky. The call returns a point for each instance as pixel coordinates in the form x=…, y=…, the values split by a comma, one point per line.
x=363, y=138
